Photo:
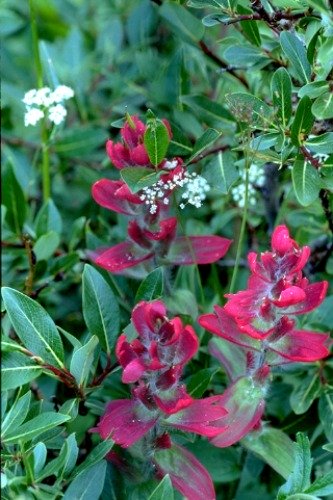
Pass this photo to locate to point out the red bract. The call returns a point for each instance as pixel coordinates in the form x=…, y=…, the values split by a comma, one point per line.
x=116, y=196
x=186, y=473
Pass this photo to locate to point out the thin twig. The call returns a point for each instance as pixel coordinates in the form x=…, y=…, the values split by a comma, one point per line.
x=209, y=152
x=214, y=57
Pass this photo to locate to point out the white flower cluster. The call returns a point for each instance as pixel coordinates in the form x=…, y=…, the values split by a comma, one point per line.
x=44, y=100
x=256, y=179
x=195, y=186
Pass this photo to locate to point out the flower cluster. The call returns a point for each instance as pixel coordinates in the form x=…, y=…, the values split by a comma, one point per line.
x=152, y=236
x=153, y=362
x=195, y=190
x=261, y=318
x=45, y=102
x=256, y=180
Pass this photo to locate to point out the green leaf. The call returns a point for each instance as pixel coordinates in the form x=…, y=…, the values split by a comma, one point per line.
x=139, y=177
x=156, y=140
x=274, y=447
x=322, y=486
x=182, y=21
x=250, y=28
x=246, y=55
x=16, y=414
x=221, y=172
x=321, y=144
x=88, y=485
x=35, y=427
x=281, y=92
x=46, y=245
x=218, y=4
x=303, y=122
x=39, y=454
x=100, y=308
x=197, y=384
x=79, y=140
x=151, y=287
x=296, y=54
x=14, y=201
x=48, y=219
x=82, y=360
x=306, y=181
x=305, y=392
x=95, y=456
x=322, y=108
x=207, y=139
x=249, y=109
x=34, y=326
x=313, y=89
x=183, y=301
x=212, y=112
x=164, y=491
x=299, y=479
x=214, y=19
x=325, y=410
x=71, y=453
x=17, y=369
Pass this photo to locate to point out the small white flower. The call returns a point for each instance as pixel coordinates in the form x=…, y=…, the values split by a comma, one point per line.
x=57, y=114
x=43, y=97
x=170, y=165
x=29, y=97
x=62, y=93
x=32, y=116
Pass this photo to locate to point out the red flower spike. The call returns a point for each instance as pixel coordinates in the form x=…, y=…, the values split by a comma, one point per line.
x=126, y=421
x=173, y=400
x=186, y=473
x=145, y=315
x=301, y=345
x=281, y=241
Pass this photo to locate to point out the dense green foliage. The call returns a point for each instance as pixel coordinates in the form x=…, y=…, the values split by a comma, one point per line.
x=241, y=83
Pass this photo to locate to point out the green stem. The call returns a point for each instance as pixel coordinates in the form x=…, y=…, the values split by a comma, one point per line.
x=27, y=465
x=46, y=182
x=242, y=229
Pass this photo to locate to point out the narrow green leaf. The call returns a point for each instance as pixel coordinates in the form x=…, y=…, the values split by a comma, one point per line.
x=296, y=54
x=182, y=21
x=303, y=121
x=32, y=428
x=46, y=245
x=207, y=139
x=151, y=287
x=221, y=172
x=250, y=28
x=40, y=454
x=306, y=181
x=72, y=452
x=34, y=326
x=95, y=456
x=14, y=201
x=281, y=92
x=164, y=491
x=198, y=383
x=100, y=308
x=321, y=144
x=313, y=89
x=213, y=112
x=139, y=177
x=274, y=447
x=82, y=360
x=48, y=219
x=17, y=369
x=322, y=486
x=322, y=108
x=88, y=485
x=299, y=479
x=156, y=140
x=16, y=414
x=305, y=393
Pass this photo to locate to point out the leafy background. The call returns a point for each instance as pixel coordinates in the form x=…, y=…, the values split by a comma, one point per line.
x=269, y=97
